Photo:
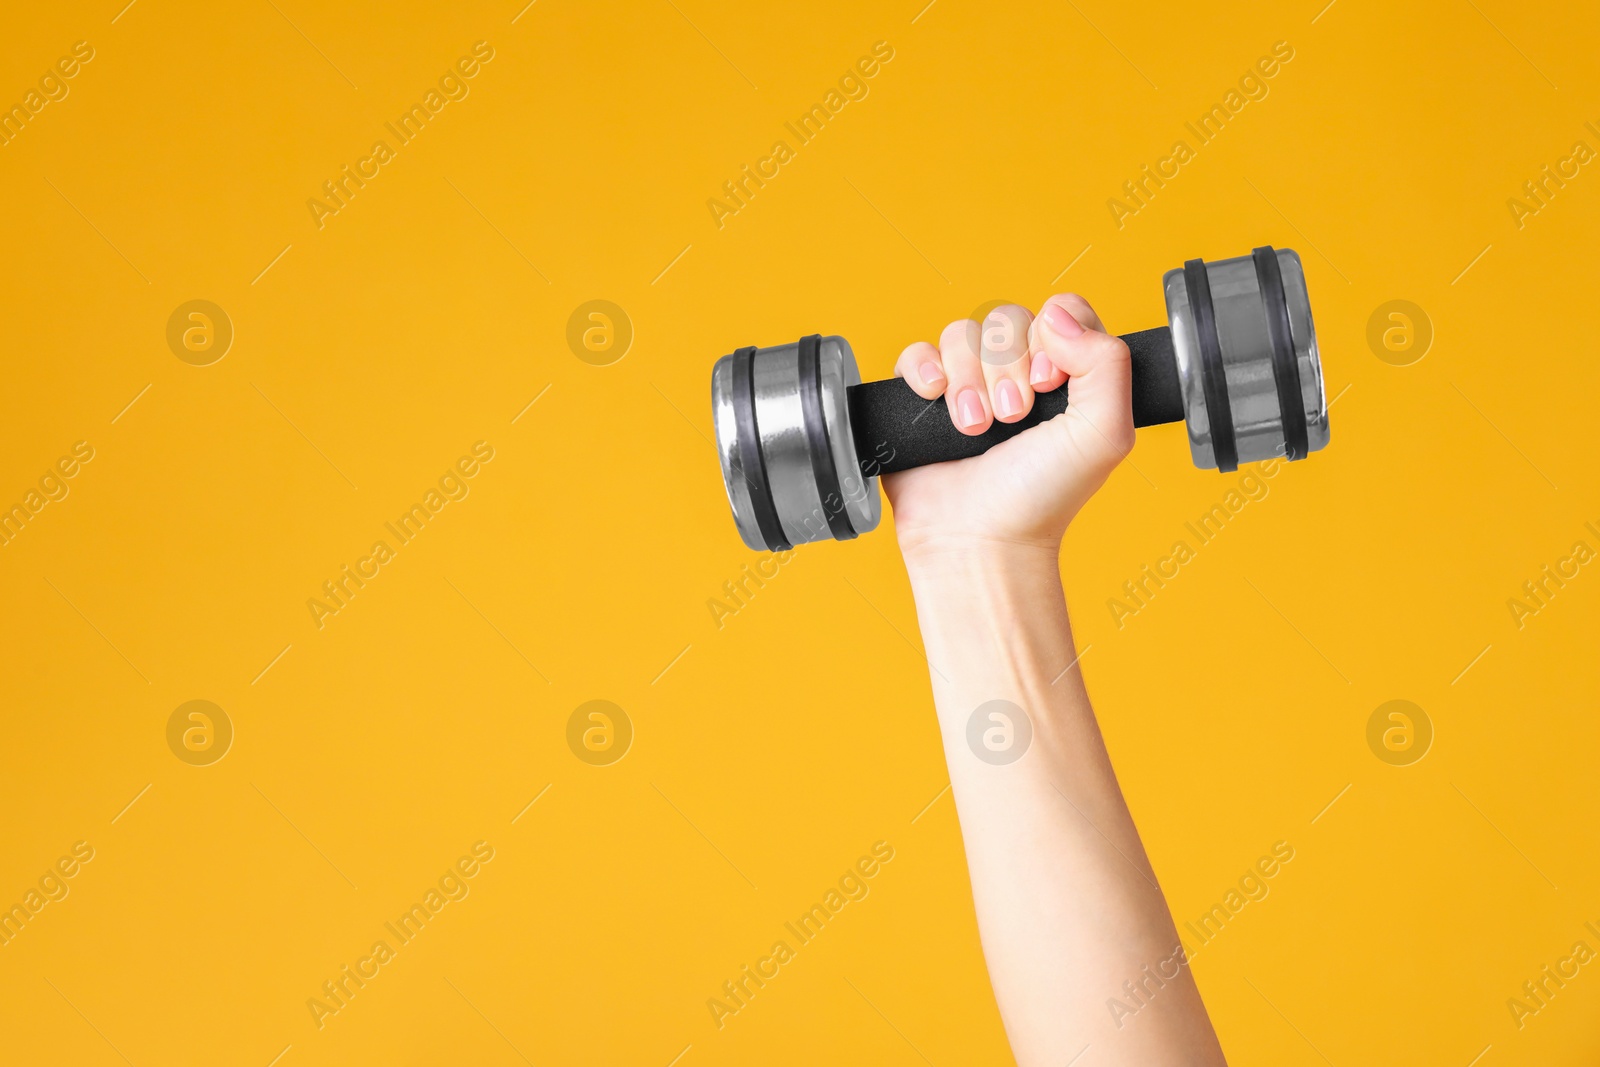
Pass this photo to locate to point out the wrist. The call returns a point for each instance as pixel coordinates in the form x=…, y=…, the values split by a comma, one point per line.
x=994, y=625
x=981, y=558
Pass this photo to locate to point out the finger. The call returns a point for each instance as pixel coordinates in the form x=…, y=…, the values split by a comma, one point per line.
x=1043, y=375
x=1004, y=352
x=967, y=392
x=1085, y=315
x=1071, y=335
x=923, y=369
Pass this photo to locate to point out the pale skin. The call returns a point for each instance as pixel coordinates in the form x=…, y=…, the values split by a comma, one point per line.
x=1067, y=903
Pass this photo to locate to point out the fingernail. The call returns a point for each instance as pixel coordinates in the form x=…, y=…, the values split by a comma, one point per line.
x=1061, y=321
x=969, y=408
x=1040, y=372
x=931, y=374
x=1007, y=398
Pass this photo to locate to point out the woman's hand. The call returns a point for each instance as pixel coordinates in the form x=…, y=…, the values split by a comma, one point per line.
x=1066, y=921
x=1026, y=490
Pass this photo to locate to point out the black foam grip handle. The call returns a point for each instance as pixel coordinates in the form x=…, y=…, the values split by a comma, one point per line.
x=895, y=429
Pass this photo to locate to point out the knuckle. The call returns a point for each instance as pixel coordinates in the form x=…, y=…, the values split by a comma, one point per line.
x=1015, y=314
x=1080, y=309
x=1123, y=437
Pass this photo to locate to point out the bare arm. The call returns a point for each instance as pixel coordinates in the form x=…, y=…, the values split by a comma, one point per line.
x=1068, y=906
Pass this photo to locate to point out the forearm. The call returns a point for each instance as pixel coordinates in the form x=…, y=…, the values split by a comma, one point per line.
x=1067, y=904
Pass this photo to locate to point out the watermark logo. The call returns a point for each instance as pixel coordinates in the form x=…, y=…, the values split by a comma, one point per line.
x=1253, y=886
x=53, y=485
x=339, y=591
x=1399, y=333
x=739, y=591
x=52, y=886
x=199, y=733
x=339, y=191
x=851, y=887
x=199, y=333
x=1399, y=733
x=1538, y=591
x=1003, y=336
x=982, y=311
x=599, y=333
x=1138, y=192
x=739, y=191
x=599, y=733
x=1538, y=992
x=52, y=88
x=452, y=886
x=999, y=732
x=1141, y=589
x=1542, y=188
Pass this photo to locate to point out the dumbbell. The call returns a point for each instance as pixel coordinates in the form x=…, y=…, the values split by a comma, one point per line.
x=802, y=440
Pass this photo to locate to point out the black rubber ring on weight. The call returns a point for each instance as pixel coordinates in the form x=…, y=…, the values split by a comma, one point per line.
x=1285, y=367
x=748, y=434
x=817, y=442
x=1219, y=413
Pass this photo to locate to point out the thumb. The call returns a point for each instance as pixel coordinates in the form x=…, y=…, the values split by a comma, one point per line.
x=1099, y=415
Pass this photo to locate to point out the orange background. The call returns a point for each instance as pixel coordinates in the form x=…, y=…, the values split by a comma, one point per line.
x=770, y=753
